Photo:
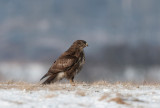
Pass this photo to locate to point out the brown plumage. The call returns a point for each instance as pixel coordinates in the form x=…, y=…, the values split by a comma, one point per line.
x=68, y=64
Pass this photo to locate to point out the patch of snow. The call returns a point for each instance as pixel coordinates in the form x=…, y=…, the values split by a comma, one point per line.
x=143, y=96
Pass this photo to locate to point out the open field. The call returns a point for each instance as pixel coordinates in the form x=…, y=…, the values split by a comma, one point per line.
x=82, y=95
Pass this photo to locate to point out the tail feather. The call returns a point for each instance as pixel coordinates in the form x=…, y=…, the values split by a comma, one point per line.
x=50, y=79
x=44, y=76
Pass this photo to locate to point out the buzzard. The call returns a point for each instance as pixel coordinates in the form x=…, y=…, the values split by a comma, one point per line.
x=68, y=64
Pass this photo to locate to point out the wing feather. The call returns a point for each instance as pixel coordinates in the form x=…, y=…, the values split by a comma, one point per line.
x=63, y=63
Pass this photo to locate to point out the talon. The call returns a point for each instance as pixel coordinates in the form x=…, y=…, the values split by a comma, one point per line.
x=72, y=83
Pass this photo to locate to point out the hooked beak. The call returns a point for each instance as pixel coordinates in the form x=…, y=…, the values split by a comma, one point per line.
x=86, y=44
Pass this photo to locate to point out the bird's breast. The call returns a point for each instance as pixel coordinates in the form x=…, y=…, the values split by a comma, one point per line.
x=82, y=60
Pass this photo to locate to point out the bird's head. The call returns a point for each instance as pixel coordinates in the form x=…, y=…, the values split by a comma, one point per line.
x=80, y=43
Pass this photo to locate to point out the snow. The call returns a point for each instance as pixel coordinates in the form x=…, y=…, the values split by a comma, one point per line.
x=64, y=95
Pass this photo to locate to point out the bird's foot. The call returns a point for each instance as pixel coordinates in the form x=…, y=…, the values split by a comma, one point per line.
x=72, y=83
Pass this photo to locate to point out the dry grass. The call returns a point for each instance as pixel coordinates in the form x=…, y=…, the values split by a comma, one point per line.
x=103, y=97
x=137, y=100
x=81, y=93
x=65, y=86
x=50, y=96
x=19, y=85
x=101, y=83
x=118, y=100
x=33, y=86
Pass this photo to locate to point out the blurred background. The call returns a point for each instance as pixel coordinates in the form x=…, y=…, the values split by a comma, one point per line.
x=123, y=38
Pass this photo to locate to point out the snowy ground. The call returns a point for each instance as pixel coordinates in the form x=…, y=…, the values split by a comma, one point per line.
x=95, y=95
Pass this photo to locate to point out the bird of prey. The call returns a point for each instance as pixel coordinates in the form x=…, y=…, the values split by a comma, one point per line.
x=68, y=64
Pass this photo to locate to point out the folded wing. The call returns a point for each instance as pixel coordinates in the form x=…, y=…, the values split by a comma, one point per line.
x=62, y=64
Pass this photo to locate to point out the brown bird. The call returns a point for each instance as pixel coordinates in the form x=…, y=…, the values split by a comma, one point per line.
x=68, y=64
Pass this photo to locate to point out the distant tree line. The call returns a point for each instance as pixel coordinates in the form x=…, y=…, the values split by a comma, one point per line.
x=143, y=55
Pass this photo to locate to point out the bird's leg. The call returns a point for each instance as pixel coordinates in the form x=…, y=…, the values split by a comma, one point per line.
x=72, y=81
